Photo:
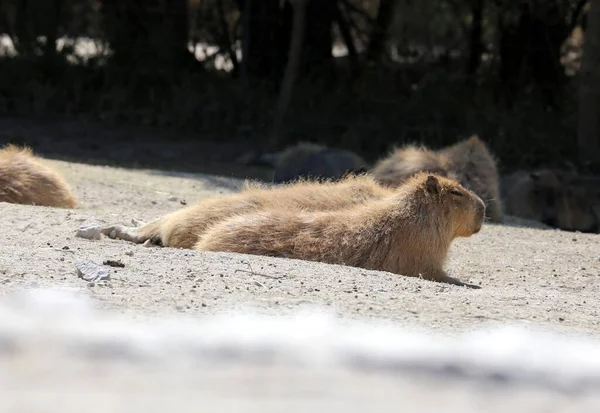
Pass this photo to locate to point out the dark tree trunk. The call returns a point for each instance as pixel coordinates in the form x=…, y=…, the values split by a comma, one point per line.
x=547, y=32
x=531, y=38
x=320, y=15
x=24, y=28
x=267, y=34
x=589, y=91
x=266, y=40
x=385, y=15
x=52, y=32
x=475, y=41
x=512, y=24
x=145, y=33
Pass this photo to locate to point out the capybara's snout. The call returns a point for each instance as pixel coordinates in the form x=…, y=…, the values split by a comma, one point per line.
x=479, y=214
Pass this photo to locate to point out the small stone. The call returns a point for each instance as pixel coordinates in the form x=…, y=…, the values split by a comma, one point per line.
x=129, y=253
x=173, y=198
x=89, y=232
x=114, y=263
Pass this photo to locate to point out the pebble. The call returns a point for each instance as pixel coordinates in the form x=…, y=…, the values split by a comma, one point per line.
x=89, y=232
x=173, y=198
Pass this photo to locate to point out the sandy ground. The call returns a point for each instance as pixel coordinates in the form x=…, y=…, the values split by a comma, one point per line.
x=528, y=277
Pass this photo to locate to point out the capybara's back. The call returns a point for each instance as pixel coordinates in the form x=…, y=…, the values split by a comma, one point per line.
x=181, y=228
x=311, y=161
x=405, y=162
x=24, y=179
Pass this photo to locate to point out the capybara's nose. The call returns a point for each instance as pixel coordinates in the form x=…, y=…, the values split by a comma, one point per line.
x=481, y=207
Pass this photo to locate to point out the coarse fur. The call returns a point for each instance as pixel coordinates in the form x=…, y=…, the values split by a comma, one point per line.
x=408, y=232
x=562, y=200
x=469, y=162
x=181, y=229
x=581, y=211
x=311, y=161
x=25, y=179
x=535, y=195
x=406, y=161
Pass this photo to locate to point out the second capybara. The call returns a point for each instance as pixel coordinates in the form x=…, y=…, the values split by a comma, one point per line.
x=181, y=228
x=316, y=162
x=408, y=232
x=25, y=179
x=469, y=162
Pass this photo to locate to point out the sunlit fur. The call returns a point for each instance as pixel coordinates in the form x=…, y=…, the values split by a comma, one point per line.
x=181, y=228
x=408, y=232
x=25, y=179
x=469, y=162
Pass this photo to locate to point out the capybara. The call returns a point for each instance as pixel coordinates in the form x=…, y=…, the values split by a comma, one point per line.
x=469, y=162
x=556, y=198
x=581, y=212
x=316, y=162
x=408, y=232
x=181, y=229
x=535, y=195
x=25, y=179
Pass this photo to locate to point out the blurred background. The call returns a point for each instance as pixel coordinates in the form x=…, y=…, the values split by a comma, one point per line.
x=370, y=74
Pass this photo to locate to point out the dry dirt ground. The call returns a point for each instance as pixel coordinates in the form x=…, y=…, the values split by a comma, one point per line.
x=528, y=277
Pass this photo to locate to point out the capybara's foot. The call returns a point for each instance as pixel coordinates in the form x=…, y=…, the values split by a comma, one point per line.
x=130, y=234
x=454, y=281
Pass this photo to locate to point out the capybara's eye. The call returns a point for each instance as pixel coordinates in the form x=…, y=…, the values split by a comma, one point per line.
x=456, y=192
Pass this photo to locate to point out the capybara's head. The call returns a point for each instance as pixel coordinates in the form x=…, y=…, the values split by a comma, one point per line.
x=579, y=210
x=546, y=195
x=539, y=196
x=456, y=208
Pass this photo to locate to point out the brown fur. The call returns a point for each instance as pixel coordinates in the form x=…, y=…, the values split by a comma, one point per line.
x=181, y=229
x=536, y=195
x=408, y=232
x=24, y=179
x=562, y=200
x=581, y=209
x=469, y=162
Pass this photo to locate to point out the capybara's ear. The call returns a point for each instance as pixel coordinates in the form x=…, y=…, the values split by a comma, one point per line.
x=432, y=184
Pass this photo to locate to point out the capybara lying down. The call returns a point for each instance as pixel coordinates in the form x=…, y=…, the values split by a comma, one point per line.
x=181, y=229
x=24, y=179
x=407, y=232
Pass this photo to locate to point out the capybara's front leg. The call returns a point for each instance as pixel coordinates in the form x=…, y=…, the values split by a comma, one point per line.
x=138, y=234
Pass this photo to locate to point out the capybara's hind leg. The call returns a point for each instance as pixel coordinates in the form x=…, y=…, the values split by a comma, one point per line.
x=138, y=234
